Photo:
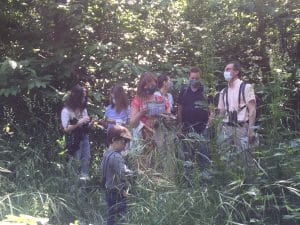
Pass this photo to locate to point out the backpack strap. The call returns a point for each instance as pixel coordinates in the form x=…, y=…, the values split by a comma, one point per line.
x=106, y=165
x=242, y=93
x=225, y=98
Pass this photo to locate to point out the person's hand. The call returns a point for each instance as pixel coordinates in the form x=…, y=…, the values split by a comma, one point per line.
x=102, y=122
x=94, y=119
x=83, y=120
x=143, y=111
x=125, y=193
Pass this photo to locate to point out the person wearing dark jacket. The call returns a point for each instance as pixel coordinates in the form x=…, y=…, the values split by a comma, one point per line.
x=193, y=114
x=114, y=170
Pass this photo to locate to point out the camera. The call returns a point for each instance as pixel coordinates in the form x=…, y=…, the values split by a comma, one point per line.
x=232, y=117
x=83, y=129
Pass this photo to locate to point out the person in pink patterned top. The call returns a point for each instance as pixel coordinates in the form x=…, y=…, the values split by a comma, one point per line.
x=146, y=107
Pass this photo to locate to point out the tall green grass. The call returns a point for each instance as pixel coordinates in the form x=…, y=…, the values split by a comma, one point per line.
x=36, y=179
x=50, y=188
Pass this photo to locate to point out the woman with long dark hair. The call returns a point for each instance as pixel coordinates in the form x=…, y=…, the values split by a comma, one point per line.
x=75, y=120
x=118, y=109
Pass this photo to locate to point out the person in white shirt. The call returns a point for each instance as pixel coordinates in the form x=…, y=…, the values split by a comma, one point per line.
x=237, y=105
x=75, y=121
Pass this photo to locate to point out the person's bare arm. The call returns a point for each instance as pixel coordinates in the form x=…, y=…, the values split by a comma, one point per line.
x=211, y=115
x=221, y=112
x=168, y=110
x=136, y=116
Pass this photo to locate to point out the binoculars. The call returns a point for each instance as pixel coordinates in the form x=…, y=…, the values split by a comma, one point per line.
x=232, y=117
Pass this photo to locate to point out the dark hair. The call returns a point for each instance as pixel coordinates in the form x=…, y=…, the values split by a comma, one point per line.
x=236, y=66
x=195, y=70
x=114, y=134
x=161, y=79
x=146, y=78
x=75, y=99
x=121, y=99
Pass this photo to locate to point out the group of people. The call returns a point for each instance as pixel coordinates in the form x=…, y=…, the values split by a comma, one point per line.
x=236, y=106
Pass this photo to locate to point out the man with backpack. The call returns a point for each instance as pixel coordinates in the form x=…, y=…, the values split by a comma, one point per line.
x=237, y=104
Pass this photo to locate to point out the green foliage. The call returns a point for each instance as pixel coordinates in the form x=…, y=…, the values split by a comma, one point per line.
x=18, y=77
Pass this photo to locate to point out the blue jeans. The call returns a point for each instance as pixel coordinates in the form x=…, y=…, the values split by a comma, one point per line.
x=116, y=206
x=83, y=154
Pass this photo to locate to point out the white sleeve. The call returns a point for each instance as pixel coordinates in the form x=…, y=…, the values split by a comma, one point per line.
x=171, y=100
x=221, y=100
x=249, y=93
x=157, y=93
x=65, y=117
x=106, y=111
x=84, y=113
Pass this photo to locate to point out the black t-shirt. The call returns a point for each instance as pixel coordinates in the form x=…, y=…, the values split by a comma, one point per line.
x=194, y=109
